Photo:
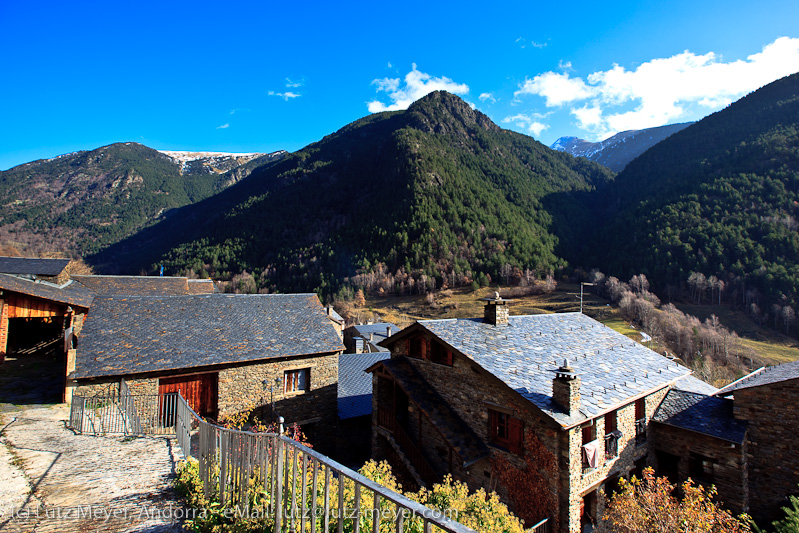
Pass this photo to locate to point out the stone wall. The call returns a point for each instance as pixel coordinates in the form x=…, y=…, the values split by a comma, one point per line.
x=729, y=469
x=241, y=388
x=581, y=481
x=476, y=392
x=772, y=416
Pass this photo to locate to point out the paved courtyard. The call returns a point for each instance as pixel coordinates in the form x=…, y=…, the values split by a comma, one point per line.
x=55, y=480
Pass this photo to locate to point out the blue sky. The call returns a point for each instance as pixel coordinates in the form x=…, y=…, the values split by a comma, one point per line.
x=260, y=77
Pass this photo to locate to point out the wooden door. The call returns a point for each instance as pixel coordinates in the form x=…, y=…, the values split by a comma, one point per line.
x=200, y=391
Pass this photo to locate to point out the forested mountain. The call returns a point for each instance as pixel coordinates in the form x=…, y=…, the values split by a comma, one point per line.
x=719, y=198
x=82, y=202
x=617, y=151
x=436, y=192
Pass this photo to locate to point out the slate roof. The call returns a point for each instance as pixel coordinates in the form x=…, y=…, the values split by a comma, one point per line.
x=701, y=413
x=135, y=285
x=201, y=286
x=613, y=369
x=694, y=384
x=355, y=384
x=127, y=335
x=70, y=293
x=763, y=376
x=378, y=330
x=32, y=266
x=469, y=446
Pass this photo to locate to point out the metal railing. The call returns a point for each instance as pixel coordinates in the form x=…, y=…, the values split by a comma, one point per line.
x=302, y=489
x=124, y=414
x=544, y=526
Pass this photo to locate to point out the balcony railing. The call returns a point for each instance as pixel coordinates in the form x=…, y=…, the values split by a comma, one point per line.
x=612, y=445
x=640, y=431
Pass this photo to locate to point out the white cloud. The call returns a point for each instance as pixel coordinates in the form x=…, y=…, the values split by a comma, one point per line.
x=389, y=64
x=487, y=96
x=417, y=85
x=293, y=84
x=663, y=90
x=223, y=127
x=286, y=95
x=524, y=44
x=530, y=123
x=557, y=89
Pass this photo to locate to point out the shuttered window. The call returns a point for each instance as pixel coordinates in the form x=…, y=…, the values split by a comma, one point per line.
x=416, y=348
x=297, y=380
x=439, y=354
x=506, y=431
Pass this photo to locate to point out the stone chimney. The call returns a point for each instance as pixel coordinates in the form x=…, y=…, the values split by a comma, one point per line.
x=496, y=311
x=566, y=388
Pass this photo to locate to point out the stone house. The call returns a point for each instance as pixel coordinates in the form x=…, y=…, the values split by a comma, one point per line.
x=739, y=438
x=273, y=354
x=696, y=435
x=54, y=271
x=555, y=406
x=365, y=338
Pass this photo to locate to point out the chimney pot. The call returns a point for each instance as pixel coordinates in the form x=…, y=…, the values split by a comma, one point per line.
x=496, y=311
x=566, y=388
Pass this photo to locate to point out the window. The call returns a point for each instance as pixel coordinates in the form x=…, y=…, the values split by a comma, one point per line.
x=506, y=431
x=640, y=409
x=297, y=380
x=612, y=436
x=590, y=448
x=700, y=468
x=610, y=422
x=439, y=354
x=640, y=422
x=421, y=348
x=416, y=347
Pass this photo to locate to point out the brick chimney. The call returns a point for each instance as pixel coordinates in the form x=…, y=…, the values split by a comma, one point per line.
x=496, y=310
x=566, y=388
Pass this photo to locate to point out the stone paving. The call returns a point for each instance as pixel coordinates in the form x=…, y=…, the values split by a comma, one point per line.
x=52, y=480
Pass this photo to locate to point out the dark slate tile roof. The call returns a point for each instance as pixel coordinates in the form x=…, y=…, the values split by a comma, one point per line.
x=355, y=384
x=701, y=413
x=70, y=293
x=126, y=335
x=201, y=286
x=694, y=384
x=613, y=369
x=135, y=285
x=334, y=315
x=32, y=266
x=468, y=445
x=378, y=330
x=763, y=376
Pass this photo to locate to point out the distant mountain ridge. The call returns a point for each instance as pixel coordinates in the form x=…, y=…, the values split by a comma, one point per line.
x=214, y=162
x=431, y=193
x=719, y=198
x=81, y=202
x=617, y=151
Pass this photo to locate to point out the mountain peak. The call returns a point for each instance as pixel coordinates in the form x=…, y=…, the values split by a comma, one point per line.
x=443, y=112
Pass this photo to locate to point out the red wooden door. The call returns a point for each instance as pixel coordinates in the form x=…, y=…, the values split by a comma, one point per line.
x=200, y=391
